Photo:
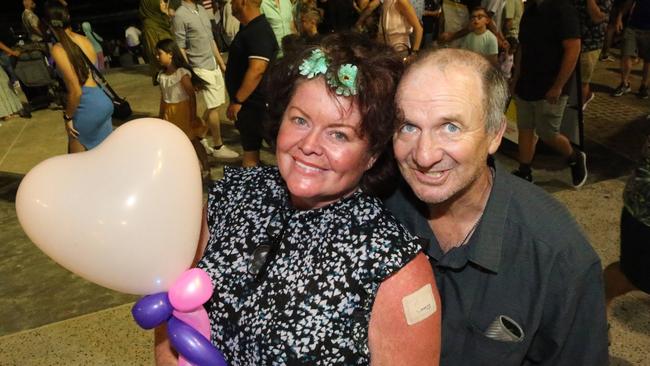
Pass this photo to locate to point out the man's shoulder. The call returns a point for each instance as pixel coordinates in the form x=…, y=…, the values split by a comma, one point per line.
x=181, y=13
x=258, y=27
x=540, y=218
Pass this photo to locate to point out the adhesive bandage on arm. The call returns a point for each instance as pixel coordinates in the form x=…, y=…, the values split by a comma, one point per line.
x=419, y=305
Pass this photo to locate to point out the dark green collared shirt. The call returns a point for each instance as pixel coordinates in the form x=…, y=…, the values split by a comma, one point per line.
x=528, y=261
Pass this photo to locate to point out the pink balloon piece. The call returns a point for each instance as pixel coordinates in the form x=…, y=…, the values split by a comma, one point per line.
x=191, y=290
x=183, y=362
x=197, y=319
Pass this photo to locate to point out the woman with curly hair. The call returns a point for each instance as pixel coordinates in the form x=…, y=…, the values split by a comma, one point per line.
x=309, y=267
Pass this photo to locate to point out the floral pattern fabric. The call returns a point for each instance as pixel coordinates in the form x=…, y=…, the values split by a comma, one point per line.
x=312, y=303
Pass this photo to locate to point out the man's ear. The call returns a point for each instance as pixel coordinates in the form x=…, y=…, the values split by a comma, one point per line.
x=496, y=137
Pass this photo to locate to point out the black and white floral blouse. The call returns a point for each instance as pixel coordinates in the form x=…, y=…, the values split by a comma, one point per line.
x=311, y=302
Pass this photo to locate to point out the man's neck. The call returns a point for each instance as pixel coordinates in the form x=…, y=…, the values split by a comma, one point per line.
x=249, y=15
x=453, y=222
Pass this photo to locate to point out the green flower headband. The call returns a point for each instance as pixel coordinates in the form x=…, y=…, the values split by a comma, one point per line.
x=343, y=81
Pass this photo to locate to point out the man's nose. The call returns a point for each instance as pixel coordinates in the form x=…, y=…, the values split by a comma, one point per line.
x=428, y=151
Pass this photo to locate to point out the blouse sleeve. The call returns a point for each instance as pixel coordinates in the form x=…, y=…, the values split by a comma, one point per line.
x=182, y=72
x=391, y=248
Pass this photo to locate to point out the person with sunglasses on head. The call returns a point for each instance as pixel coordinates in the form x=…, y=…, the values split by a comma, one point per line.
x=308, y=266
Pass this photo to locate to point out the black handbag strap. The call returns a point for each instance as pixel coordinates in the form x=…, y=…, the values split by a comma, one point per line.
x=104, y=83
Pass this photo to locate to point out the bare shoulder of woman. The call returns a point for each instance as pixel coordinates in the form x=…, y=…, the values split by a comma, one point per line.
x=86, y=46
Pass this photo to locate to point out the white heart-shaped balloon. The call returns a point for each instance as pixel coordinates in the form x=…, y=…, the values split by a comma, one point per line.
x=125, y=215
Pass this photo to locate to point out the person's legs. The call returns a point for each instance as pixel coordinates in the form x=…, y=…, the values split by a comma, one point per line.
x=214, y=125
x=643, y=44
x=526, y=138
x=549, y=124
x=588, y=61
x=609, y=38
x=548, y=129
x=250, y=129
x=214, y=96
x=629, y=50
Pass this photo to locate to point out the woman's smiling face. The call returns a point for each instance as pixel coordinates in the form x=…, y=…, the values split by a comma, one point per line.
x=320, y=154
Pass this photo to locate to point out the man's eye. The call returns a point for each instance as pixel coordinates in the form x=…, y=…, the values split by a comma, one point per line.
x=407, y=128
x=450, y=127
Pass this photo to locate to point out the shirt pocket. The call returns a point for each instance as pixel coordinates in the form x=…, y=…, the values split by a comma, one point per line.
x=492, y=351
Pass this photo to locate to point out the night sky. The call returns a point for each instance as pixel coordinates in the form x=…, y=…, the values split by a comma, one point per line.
x=109, y=18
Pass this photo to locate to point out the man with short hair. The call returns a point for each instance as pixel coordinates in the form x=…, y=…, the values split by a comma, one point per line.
x=253, y=48
x=549, y=47
x=636, y=41
x=193, y=33
x=519, y=282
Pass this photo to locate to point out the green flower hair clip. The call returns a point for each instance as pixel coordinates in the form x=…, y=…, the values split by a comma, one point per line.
x=316, y=64
x=343, y=81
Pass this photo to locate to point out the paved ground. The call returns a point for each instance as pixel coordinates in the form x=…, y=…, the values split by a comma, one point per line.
x=49, y=316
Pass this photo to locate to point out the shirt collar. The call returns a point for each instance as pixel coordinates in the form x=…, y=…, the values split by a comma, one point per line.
x=485, y=246
x=193, y=7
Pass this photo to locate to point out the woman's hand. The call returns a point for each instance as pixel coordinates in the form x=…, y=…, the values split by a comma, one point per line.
x=72, y=132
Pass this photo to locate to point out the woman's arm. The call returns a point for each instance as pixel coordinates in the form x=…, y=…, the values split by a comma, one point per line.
x=186, y=83
x=163, y=352
x=367, y=11
x=71, y=82
x=217, y=56
x=162, y=107
x=408, y=12
x=405, y=321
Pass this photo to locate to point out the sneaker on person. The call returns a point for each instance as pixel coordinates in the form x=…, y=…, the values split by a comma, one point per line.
x=643, y=92
x=622, y=89
x=579, y=170
x=206, y=144
x=591, y=97
x=527, y=176
x=224, y=152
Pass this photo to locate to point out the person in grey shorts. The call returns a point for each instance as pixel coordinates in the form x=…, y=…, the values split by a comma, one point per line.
x=636, y=41
x=193, y=33
x=549, y=46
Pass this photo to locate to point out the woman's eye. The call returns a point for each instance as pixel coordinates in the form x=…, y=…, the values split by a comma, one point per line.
x=450, y=127
x=299, y=121
x=339, y=136
x=407, y=128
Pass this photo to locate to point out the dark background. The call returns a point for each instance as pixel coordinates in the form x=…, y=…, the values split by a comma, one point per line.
x=109, y=18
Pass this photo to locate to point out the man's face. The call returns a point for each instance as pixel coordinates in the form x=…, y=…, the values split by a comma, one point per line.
x=28, y=4
x=237, y=8
x=442, y=146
